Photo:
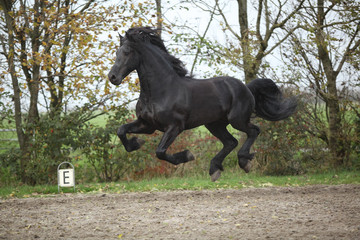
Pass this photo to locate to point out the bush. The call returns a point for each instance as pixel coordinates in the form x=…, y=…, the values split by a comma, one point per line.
x=102, y=149
x=355, y=146
x=53, y=139
x=9, y=167
x=277, y=148
x=290, y=146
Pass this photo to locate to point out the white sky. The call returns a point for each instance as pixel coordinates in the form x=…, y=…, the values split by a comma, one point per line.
x=198, y=20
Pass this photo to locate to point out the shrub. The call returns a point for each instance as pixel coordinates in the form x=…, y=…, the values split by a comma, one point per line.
x=103, y=150
x=290, y=146
x=9, y=167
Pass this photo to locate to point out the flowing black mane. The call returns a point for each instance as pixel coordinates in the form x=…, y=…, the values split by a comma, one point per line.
x=147, y=34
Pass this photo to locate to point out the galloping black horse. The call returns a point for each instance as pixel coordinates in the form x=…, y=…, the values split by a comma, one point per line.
x=171, y=101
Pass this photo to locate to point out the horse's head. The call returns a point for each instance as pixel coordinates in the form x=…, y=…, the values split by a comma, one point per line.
x=127, y=59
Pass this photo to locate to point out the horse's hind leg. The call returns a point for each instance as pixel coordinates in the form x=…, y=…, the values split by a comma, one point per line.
x=218, y=129
x=138, y=126
x=244, y=154
x=167, y=139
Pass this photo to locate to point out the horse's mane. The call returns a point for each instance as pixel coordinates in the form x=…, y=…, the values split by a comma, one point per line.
x=147, y=34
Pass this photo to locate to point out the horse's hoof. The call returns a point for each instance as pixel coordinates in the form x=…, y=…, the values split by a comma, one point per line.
x=140, y=142
x=245, y=161
x=189, y=156
x=247, y=167
x=215, y=176
x=134, y=144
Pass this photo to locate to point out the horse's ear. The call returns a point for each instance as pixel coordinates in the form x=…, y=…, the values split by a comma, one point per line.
x=121, y=39
x=128, y=36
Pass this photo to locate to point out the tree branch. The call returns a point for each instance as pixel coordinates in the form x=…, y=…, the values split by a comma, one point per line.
x=350, y=50
x=202, y=40
x=258, y=22
x=87, y=5
x=226, y=22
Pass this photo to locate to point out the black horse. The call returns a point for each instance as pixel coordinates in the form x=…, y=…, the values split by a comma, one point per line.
x=171, y=101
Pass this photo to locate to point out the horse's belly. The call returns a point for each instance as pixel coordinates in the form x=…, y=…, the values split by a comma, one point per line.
x=209, y=103
x=204, y=115
x=160, y=117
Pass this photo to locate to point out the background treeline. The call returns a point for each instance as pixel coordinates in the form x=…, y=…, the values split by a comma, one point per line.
x=55, y=56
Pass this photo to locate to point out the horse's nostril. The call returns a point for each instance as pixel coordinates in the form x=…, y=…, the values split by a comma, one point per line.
x=112, y=77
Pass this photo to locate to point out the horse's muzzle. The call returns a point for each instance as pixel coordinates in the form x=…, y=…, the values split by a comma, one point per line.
x=114, y=80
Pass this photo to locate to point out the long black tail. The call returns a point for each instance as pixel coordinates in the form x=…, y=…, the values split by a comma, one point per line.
x=269, y=101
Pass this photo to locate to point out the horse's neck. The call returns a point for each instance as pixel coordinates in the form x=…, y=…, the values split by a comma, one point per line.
x=156, y=75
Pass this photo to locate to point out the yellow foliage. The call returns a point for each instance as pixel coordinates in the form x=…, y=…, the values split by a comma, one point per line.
x=72, y=49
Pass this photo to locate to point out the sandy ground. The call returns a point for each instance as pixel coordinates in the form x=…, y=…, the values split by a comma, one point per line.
x=314, y=212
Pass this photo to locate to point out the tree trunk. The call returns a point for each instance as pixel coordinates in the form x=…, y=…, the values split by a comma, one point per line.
x=24, y=137
x=334, y=135
x=159, y=17
x=6, y=6
x=249, y=71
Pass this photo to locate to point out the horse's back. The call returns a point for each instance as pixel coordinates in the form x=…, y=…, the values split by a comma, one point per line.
x=218, y=99
x=242, y=102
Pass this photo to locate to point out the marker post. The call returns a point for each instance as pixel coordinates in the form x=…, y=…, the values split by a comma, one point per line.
x=66, y=177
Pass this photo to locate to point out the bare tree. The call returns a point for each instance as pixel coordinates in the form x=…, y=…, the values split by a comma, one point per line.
x=327, y=44
x=268, y=33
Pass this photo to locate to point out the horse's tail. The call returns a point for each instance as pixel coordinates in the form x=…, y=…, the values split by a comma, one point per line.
x=269, y=102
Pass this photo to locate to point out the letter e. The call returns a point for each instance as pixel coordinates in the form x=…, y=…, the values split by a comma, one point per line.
x=65, y=176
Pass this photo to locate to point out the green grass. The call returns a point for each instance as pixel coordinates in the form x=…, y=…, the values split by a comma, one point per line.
x=8, y=139
x=229, y=180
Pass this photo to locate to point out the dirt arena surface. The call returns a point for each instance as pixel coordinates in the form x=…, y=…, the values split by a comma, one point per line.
x=314, y=212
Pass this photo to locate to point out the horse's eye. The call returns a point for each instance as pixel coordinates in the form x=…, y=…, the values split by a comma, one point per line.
x=126, y=50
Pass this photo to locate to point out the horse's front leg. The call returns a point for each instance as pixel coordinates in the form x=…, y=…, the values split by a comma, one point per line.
x=167, y=139
x=138, y=126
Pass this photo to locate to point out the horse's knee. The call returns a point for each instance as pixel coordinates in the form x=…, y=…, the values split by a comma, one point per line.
x=121, y=131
